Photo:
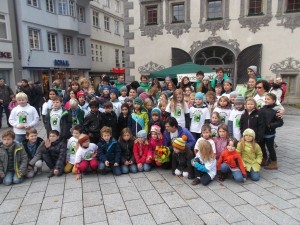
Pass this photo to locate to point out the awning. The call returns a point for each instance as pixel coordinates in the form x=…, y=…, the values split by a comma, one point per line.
x=118, y=70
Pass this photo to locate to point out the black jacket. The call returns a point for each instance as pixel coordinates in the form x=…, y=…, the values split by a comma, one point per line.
x=255, y=122
x=182, y=160
x=126, y=150
x=57, y=151
x=271, y=121
x=92, y=123
x=5, y=93
x=109, y=151
x=122, y=122
x=110, y=120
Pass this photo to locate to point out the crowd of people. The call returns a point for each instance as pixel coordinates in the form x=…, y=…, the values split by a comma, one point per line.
x=197, y=130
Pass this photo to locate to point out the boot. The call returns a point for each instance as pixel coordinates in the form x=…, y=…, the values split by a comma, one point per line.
x=264, y=162
x=272, y=166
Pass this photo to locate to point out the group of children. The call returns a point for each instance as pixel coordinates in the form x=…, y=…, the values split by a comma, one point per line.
x=124, y=134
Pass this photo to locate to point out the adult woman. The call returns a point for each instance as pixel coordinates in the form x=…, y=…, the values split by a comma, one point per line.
x=185, y=82
x=74, y=86
x=250, y=89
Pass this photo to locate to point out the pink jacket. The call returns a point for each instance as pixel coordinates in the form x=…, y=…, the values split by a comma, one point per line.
x=12, y=105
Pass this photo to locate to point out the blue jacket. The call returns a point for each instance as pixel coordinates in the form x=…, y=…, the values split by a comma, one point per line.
x=181, y=131
x=109, y=151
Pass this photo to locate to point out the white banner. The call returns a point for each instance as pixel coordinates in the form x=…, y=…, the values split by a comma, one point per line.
x=192, y=76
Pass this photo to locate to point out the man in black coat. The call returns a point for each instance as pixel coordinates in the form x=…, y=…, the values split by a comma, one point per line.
x=5, y=98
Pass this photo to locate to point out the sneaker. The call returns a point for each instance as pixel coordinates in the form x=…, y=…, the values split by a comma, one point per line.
x=196, y=181
x=50, y=174
x=39, y=170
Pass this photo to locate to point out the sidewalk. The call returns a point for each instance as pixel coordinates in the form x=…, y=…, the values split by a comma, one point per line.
x=157, y=197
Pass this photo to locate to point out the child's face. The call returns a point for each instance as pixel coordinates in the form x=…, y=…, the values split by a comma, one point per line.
x=113, y=96
x=106, y=136
x=132, y=93
x=198, y=101
x=248, y=138
x=163, y=108
x=227, y=87
x=223, y=103
x=230, y=146
x=210, y=99
x=199, y=77
x=144, y=80
x=149, y=106
x=56, y=105
x=214, y=118
x=22, y=101
x=206, y=134
x=53, y=138
x=94, y=109
x=108, y=110
x=85, y=84
x=250, y=106
x=239, y=106
x=129, y=103
x=170, y=86
x=76, y=134
x=91, y=91
x=188, y=91
x=72, y=94
x=232, y=98
x=123, y=93
x=179, y=98
x=105, y=91
x=154, y=135
x=7, y=141
x=141, y=140
x=186, y=81
x=51, y=95
x=81, y=99
x=251, y=83
x=218, y=90
x=124, y=110
x=86, y=144
x=269, y=100
x=176, y=150
x=222, y=133
x=75, y=87
x=155, y=117
x=32, y=137
x=205, y=82
x=163, y=97
x=126, y=136
x=137, y=106
x=192, y=100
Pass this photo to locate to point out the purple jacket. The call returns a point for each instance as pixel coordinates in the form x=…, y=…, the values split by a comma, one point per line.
x=181, y=131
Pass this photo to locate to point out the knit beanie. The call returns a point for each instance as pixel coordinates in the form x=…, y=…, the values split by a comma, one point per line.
x=228, y=81
x=239, y=100
x=138, y=100
x=141, y=134
x=124, y=88
x=205, y=78
x=155, y=128
x=89, y=97
x=140, y=90
x=115, y=91
x=83, y=138
x=233, y=93
x=105, y=86
x=144, y=95
x=253, y=68
x=249, y=132
x=199, y=95
x=156, y=110
x=128, y=99
x=80, y=93
x=179, y=143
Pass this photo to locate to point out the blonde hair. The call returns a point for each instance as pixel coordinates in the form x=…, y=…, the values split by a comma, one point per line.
x=250, y=99
x=206, y=151
x=147, y=101
x=73, y=103
x=106, y=130
x=162, y=103
x=173, y=103
x=243, y=141
x=21, y=95
x=227, y=100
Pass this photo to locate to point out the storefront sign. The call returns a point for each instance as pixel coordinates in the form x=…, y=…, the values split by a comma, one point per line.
x=6, y=55
x=192, y=76
x=58, y=62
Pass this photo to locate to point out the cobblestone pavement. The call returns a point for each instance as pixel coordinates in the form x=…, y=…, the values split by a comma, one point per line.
x=157, y=197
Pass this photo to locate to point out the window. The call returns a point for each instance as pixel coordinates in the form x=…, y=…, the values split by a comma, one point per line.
x=95, y=19
x=117, y=58
x=97, y=59
x=72, y=8
x=101, y=59
x=117, y=6
x=293, y=6
x=33, y=3
x=107, y=3
x=97, y=46
x=62, y=7
x=117, y=27
x=68, y=45
x=3, y=31
x=291, y=81
x=177, y=13
x=255, y=7
x=81, y=46
x=123, y=59
x=92, y=46
x=93, y=58
x=52, y=42
x=106, y=23
x=50, y=6
x=151, y=15
x=34, y=39
x=100, y=47
x=81, y=14
x=214, y=10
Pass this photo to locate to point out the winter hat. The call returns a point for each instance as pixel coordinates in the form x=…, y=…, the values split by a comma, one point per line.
x=80, y=93
x=233, y=93
x=138, y=101
x=83, y=138
x=115, y=91
x=180, y=143
x=144, y=95
x=128, y=100
x=155, y=128
x=239, y=100
x=140, y=90
x=104, y=86
x=167, y=78
x=199, y=95
x=206, y=78
x=141, y=134
x=253, y=68
x=228, y=81
x=89, y=97
x=124, y=88
x=156, y=110
x=249, y=132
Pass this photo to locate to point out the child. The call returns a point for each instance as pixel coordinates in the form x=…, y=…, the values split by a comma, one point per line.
x=199, y=115
x=205, y=135
x=110, y=118
x=199, y=78
x=271, y=123
x=22, y=117
x=82, y=103
x=224, y=109
x=86, y=156
x=129, y=102
x=191, y=101
x=227, y=85
x=214, y=123
x=105, y=97
x=54, y=154
x=109, y=153
x=187, y=91
x=155, y=139
x=48, y=104
x=231, y=161
x=181, y=158
x=132, y=93
x=123, y=118
x=179, y=109
x=204, y=86
x=148, y=104
x=91, y=90
x=73, y=95
x=126, y=141
x=72, y=148
x=139, y=117
x=232, y=96
x=13, y=159
x=204, y=163
x=13, y=103
x=75, y=116
x=235, y=117
x=114, y=93
x=93, y=122
x=211, y=101
x=31, y=145
x=163, y=97
x=144, y=83
x=218, y=90
x=156, y=120
x=140, y=150
x=162, y=105
x=251, y=154
x=221, y=139
x=123, y=92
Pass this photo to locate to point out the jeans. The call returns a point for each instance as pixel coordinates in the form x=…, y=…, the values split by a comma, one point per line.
x=132, y=168
x=7, y=113
x=146, y=167
x=253, y=175
x=237, y=175
x=11, y=178
x=116, y=169
x=269, y=142
x=20, y=138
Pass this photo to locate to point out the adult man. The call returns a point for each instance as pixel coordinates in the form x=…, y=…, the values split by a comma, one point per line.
x=26, y=89
x=271, y=81
x=5, y=98
x=120, y=82
x=219, y=79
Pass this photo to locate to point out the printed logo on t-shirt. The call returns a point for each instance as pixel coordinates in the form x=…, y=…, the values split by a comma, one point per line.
x=22, y=117
x=177, y=112
x=88, y=155
x=237, y=120
x=74, y=120
x=223, y=117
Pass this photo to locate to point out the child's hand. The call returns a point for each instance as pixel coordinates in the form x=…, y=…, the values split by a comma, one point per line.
x=20, y=126
x=130, y=162
x=116, y=164
x=47, y=143
x=26, y=126
x=95, y=154
x=2, y=175
x=106, y=163
x=139, y=165
x=56, y=172
x=78, y=176
x=126, y=163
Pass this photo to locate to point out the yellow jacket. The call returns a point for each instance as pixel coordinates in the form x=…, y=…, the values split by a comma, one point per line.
x=251, y=159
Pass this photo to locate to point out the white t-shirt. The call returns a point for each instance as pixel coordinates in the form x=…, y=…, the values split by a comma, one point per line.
x=260, y=101
x=55, y=116
x=211, y=141
x=235, y=117
x=46, y=106
x=117, y=108
x=85, y=153
x=179, y=113
x=198, y=116
x=224, y=114
x=71, y=148
x=214, y=129
x=211, y=166
x=122, y=99
x=174, y=135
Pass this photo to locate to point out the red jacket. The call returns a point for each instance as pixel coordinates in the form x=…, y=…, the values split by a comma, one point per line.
x=232, y=159
x=283, y=87
x=140, y=151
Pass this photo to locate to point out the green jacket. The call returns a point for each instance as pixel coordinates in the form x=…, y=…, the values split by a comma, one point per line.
x=145, y=86
x=214, y=81
x=20, y=159
x=251, y=159
x=119, y=85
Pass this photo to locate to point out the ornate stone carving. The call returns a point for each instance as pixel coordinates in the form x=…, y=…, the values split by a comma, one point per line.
x=152, y=31
x=150, y=67
x=178, y=29
x=288, y=65
x=289, y=20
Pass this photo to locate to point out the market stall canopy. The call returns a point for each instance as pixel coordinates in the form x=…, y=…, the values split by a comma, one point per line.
x=186, y=68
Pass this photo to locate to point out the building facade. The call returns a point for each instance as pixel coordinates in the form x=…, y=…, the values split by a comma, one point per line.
x=215, y=33
x=107, y=38
x=54, y=40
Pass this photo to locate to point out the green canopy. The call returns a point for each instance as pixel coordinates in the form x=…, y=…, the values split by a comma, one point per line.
x=186, y=68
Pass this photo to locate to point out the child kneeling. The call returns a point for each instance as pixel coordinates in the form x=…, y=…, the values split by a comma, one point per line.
x=140, y=151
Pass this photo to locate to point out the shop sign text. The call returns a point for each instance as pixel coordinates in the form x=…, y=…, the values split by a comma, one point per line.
x=6, y=55
x=58, y=62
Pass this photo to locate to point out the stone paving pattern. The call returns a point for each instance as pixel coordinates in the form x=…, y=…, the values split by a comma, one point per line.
x=158, y=197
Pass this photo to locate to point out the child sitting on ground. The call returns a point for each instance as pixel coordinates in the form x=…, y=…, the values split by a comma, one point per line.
x=140, y=150
x=126, y=141
x=154, y=140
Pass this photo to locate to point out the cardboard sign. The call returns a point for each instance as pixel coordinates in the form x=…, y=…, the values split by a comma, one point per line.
x=192, y=76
